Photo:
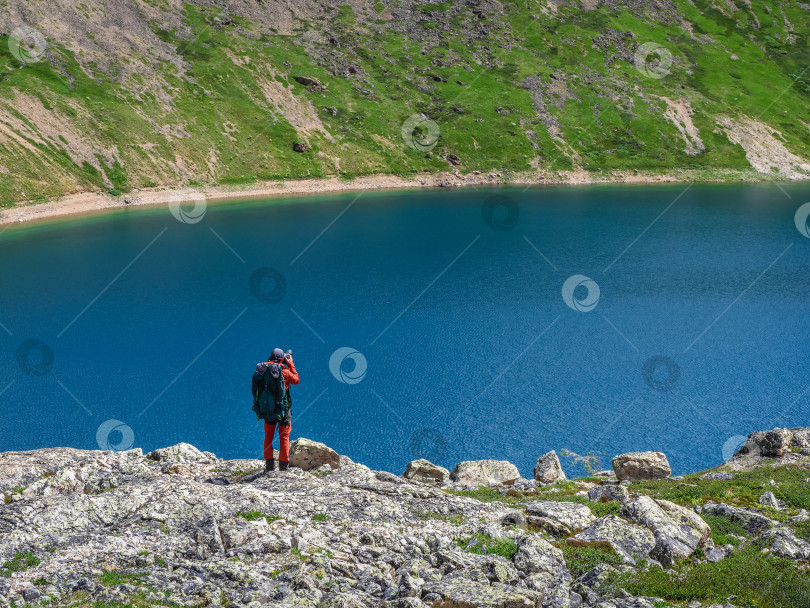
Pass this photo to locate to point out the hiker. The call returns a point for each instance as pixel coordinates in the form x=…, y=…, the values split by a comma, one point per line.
x=272, y=403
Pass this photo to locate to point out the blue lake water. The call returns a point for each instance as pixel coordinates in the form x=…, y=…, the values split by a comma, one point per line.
x=451, y=300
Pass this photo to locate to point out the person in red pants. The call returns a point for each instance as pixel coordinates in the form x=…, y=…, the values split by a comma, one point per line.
x=290, y=377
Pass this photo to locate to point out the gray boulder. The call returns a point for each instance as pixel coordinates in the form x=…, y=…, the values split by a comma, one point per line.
x=608, y=492
x=595, y=582
x=784, y=543
x=753, y=522
x=184, y=453
x=677, y=530
x=425, y=471
x=307, y=454
x=537, y=555
x=641, y=465
x=630, y=541
x=485, y=472
x=546, y=569
x=548, y=525
x=571, y=514
x=715, y=555
x=769, y=500
x=770, y=444
x=514, y=517
x=548, y=468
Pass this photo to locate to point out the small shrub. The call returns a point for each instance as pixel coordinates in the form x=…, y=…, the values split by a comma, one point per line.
x=583, y=559
x=724, y=530
x=320, y=517
x=600, y=509
x=802, y=529
x=592, y=461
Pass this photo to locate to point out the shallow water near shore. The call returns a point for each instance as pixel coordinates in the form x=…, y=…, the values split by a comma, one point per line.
x=690, y=332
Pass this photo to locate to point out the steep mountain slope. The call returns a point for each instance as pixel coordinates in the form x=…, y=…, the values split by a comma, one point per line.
x=119, y=94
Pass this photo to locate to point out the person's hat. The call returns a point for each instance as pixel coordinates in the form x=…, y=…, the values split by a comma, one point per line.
x=277, y=355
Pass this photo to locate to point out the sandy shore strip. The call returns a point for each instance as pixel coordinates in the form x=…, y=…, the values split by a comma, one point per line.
x=89, y=202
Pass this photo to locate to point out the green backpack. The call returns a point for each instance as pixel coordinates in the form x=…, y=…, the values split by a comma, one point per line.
x=270, y=399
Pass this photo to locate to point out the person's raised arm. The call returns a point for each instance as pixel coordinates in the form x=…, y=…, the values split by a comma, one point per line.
x=290, y=375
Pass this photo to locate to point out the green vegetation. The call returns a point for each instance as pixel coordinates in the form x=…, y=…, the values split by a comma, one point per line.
x=724, y=531
x=555, y=90
x=320, y=517
x=582, y=559
x=743, y=490
x=483, y=544
x=18, y=563
x=763, y=582
x=254, y=515
x=112, y=578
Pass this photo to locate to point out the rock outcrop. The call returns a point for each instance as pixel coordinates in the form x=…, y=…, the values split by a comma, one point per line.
x=677, y=530
x=307, y=455
x=608, y=492
x=180, y=527
x=425, y=471
x=751, y=521
x=775, y=443
x=485, y=472
x=548, y=468
x=641, y=465
x=630, y=541
x=571, y=514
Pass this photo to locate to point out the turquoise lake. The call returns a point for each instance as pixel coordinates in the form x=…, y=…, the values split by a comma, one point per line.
x=436, y=324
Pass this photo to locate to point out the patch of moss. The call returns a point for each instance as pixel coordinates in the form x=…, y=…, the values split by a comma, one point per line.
x=255, y=515
x=21, y=561
x=483, y=544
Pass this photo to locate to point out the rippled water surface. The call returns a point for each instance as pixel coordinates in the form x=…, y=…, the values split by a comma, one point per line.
x=463, y=335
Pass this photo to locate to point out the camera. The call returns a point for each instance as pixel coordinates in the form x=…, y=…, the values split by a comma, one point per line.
x=288, y=355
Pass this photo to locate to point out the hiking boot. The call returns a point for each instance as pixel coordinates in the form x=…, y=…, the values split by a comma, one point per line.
x=269, y=464
x=283, y=465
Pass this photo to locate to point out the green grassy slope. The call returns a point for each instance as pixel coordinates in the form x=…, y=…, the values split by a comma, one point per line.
x=157, y=92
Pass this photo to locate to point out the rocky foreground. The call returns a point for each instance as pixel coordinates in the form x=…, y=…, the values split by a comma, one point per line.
x=180, y=527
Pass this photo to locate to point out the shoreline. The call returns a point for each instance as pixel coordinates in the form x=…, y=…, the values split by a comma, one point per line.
x=96, y=202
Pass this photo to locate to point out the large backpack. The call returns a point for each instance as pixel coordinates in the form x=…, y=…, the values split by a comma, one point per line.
x=270, y=400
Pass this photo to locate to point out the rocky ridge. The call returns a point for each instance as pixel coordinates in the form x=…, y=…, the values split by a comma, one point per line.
x=181, y=527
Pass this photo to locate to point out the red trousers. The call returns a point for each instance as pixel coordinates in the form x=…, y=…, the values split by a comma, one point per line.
x=283, y=441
